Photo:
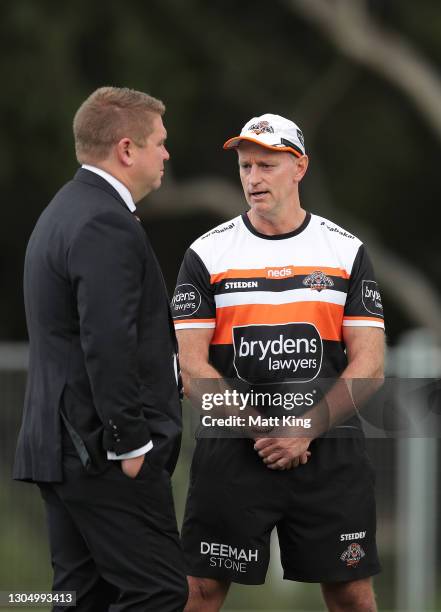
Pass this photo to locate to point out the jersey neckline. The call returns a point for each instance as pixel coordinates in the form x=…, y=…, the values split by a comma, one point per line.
x=295, y=232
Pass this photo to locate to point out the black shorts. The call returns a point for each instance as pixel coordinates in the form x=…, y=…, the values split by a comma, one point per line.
x=324, y=512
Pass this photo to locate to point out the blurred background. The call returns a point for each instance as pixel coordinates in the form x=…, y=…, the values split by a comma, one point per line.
x=362, y=79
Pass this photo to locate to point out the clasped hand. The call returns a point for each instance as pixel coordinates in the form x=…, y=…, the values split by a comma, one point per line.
x=283, y=453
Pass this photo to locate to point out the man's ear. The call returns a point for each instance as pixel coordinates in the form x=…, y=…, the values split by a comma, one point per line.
x=301, y=168
x=124, y=152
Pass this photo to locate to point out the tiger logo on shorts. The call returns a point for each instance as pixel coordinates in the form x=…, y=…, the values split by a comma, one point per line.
x=353, y=555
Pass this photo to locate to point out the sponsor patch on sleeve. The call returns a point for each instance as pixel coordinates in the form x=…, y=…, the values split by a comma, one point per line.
x=371, y=298
x=186, y=301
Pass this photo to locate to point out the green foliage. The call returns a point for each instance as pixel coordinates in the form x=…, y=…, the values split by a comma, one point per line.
x=215, y=64
x=24, y=552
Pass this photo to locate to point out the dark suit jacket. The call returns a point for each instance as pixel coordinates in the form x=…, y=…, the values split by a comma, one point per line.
x=102, y=344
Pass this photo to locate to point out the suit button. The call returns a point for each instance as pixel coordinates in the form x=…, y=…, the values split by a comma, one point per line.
x=118, y=439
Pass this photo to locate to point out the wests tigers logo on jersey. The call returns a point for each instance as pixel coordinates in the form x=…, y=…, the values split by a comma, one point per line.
x=318, y=281
x=290, y=352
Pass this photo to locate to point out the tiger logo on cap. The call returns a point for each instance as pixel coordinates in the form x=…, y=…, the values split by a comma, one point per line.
x=261, y=128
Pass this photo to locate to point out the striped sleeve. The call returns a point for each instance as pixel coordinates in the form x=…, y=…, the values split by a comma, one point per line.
x=193, y=304
x=363, y=306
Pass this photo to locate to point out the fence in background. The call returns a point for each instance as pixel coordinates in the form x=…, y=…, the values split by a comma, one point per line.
x=407, y=499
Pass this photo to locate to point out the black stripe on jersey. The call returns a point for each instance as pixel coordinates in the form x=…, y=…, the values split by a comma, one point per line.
x=242, y=285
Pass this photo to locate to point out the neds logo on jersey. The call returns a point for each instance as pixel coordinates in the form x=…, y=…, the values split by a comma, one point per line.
x=290, y=352
x=186, y=301
x=371, y=297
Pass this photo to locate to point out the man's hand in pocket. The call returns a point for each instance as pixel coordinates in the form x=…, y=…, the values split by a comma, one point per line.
x=131, y=467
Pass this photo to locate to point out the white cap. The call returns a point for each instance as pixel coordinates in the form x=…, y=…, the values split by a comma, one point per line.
x=273, y=132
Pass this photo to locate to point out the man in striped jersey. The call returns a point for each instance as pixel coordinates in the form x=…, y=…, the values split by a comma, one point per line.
x=280, y=296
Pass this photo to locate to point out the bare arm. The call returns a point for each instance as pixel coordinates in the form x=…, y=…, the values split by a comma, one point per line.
x=365, y=352
x=194, y=347
x=193, y=355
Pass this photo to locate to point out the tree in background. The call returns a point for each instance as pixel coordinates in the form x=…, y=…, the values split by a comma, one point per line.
x=345, y=70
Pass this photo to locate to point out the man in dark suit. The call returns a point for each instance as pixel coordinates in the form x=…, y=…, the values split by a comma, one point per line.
x=102, y=418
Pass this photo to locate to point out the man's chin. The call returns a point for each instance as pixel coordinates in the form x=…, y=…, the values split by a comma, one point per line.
x=157, y=184
x=152, y=187
x=259, y=207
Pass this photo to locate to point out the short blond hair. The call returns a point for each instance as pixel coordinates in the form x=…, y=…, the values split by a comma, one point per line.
x=110, y=114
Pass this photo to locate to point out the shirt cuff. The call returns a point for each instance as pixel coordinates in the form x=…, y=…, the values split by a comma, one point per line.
x=131, y=454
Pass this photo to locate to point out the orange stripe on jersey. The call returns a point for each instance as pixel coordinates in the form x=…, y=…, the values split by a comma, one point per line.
x=176, y=321
x=378, y=319
x=277, y=272
x=325, y=316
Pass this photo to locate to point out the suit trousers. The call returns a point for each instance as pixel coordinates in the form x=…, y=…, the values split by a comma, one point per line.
x=114, y=539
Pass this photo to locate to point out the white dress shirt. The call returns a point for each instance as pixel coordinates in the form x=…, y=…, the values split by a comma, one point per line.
x=116, y=184
x=128, y=200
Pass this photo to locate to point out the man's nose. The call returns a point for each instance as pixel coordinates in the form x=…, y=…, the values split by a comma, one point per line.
x=254, y=176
